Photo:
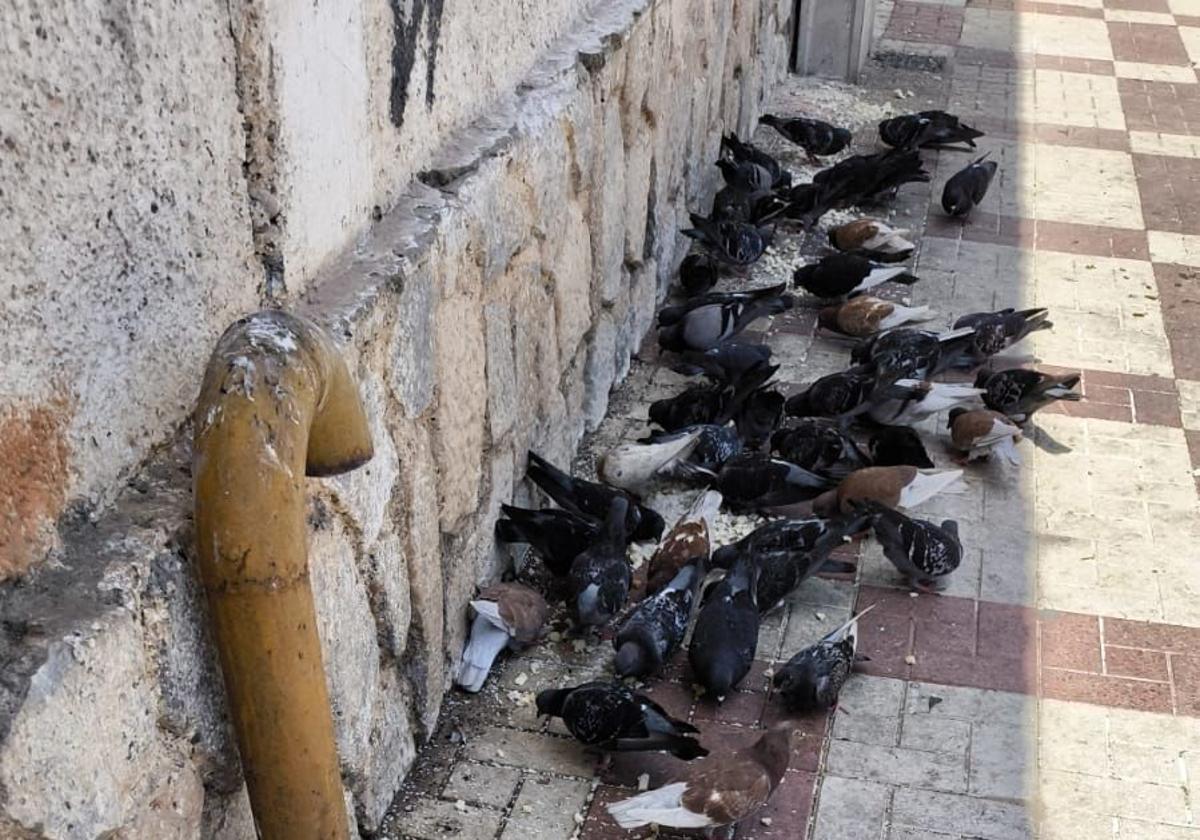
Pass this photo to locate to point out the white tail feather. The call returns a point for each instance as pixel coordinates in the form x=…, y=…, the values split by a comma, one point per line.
x=487, y=640
x=706, y=507
x=1007, y=449
x=879, y=276
x=661, y=806
x=947, y=395
x=926, y=485
x=906, y=315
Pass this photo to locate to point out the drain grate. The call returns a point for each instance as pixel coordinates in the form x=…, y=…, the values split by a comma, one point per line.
x=910, y=61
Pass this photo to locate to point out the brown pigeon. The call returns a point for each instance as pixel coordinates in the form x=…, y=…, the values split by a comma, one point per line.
x=688, y=542
x=722, y=791
x=981, y=432
x=902, y=486
x=506, y=615
x=865, y=315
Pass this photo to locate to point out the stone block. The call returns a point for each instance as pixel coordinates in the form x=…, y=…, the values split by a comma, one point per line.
x=347, y=629
x=570, y=266
x=547, y=809
x=501, y=370
x=411, y=364
x=543, y=753
x=462, y=402
x=599, y=371
x=435, y=819
x=481, y=784
x=386, y=571
x=607, y=211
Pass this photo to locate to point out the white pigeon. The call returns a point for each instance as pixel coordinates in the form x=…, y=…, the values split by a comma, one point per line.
x=506, y=615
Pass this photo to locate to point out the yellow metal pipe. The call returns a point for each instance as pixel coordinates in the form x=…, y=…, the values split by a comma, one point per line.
x=277, y=403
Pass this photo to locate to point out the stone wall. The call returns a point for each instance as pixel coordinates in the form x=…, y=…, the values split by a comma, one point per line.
x=489, y=310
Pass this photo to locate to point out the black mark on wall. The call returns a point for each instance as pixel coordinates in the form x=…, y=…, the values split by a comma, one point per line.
x=406, y=29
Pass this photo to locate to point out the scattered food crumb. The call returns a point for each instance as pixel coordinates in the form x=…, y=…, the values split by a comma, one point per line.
x=526, y=809
x=820, y=616
x=644, y=781
x=460, y=806
x=521, y=679
x=765, y=821
x=910, y=659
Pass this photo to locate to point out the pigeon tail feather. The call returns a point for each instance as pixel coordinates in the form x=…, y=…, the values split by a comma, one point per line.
x=926, y=485
x=661, y=806
x=487, y=640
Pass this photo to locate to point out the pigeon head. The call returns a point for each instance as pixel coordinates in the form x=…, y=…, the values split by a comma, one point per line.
x=803, y=275
x=728, y=168
x=632, y=660
x=550, y=702
x=841, y=137
x=955, y=413
x=769, y=119
x=697, y=274
x=650, y=524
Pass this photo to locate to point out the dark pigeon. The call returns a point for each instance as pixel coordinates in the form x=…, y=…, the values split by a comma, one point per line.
x=967, y=187
x=591, y=498
x=600, y=577
x=839, y=275
x=1018, y=393
x=895, y=446
x=906, y=353
x=697, y=274
x=754, y=481
x=724, y=362
x=815, y=137
x=833, y=395
x=612, y=717
x=558, y=536
x=737, y=243
x=921, y=550
x=925, y=129
x=653, y=630
x=997, y=331
x=812, y=679
x=820, y=445
x=726, y=633
x=741, y=151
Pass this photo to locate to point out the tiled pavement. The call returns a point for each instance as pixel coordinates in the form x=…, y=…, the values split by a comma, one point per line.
x=1052, y=690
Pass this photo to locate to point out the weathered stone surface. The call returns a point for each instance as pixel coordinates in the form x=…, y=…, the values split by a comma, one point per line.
x=410, y=369
x=607, y=217
x=600, y=370
x=501, y=372
x=462, y=402
x=571, y=271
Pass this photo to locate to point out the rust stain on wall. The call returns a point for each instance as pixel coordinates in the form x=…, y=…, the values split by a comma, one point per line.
x=33, y=481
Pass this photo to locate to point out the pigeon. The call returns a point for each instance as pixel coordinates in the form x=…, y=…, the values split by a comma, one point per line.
x=873, y=239
x=731, y=204
x=687, y=543
x=758, y=416
x=895, y=446
x=815, y=137
x=967, y=187
x=745, y=176
x=726, y=633
x=613, y=717
x=558, y=536
x=997, y=331
x=906, y=353
x=864, y=316
x=867, y=179
x=903, y=486
x=600, y=577
x=754, y=481
x=833, y=395
x=724, y=362
x=922, y=399
x=591, y=498
x=697, y=274
x=506, y=615
x=720, y=794
x=981, y=432
x=634, y=466
x=651, y=632
x=741, y=151
x=1018, y=393
x=921, y=550
x=786, y=552
x=812, y=679
x=706, y=326
x=819, y=445
x=927, y=128
x=737, y=243
x=715, y=446
x=669, y=315
x=841, y=275
x=715, y=403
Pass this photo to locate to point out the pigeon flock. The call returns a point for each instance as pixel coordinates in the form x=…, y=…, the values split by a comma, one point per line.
x=832, y=463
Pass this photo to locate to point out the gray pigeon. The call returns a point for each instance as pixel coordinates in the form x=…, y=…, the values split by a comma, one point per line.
x=922, y=551
x=709, y=325
x=737, y=243
x=813, y=678
x=654, y=628
x=726, y=632
x=967, y=187
x=600, y=576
